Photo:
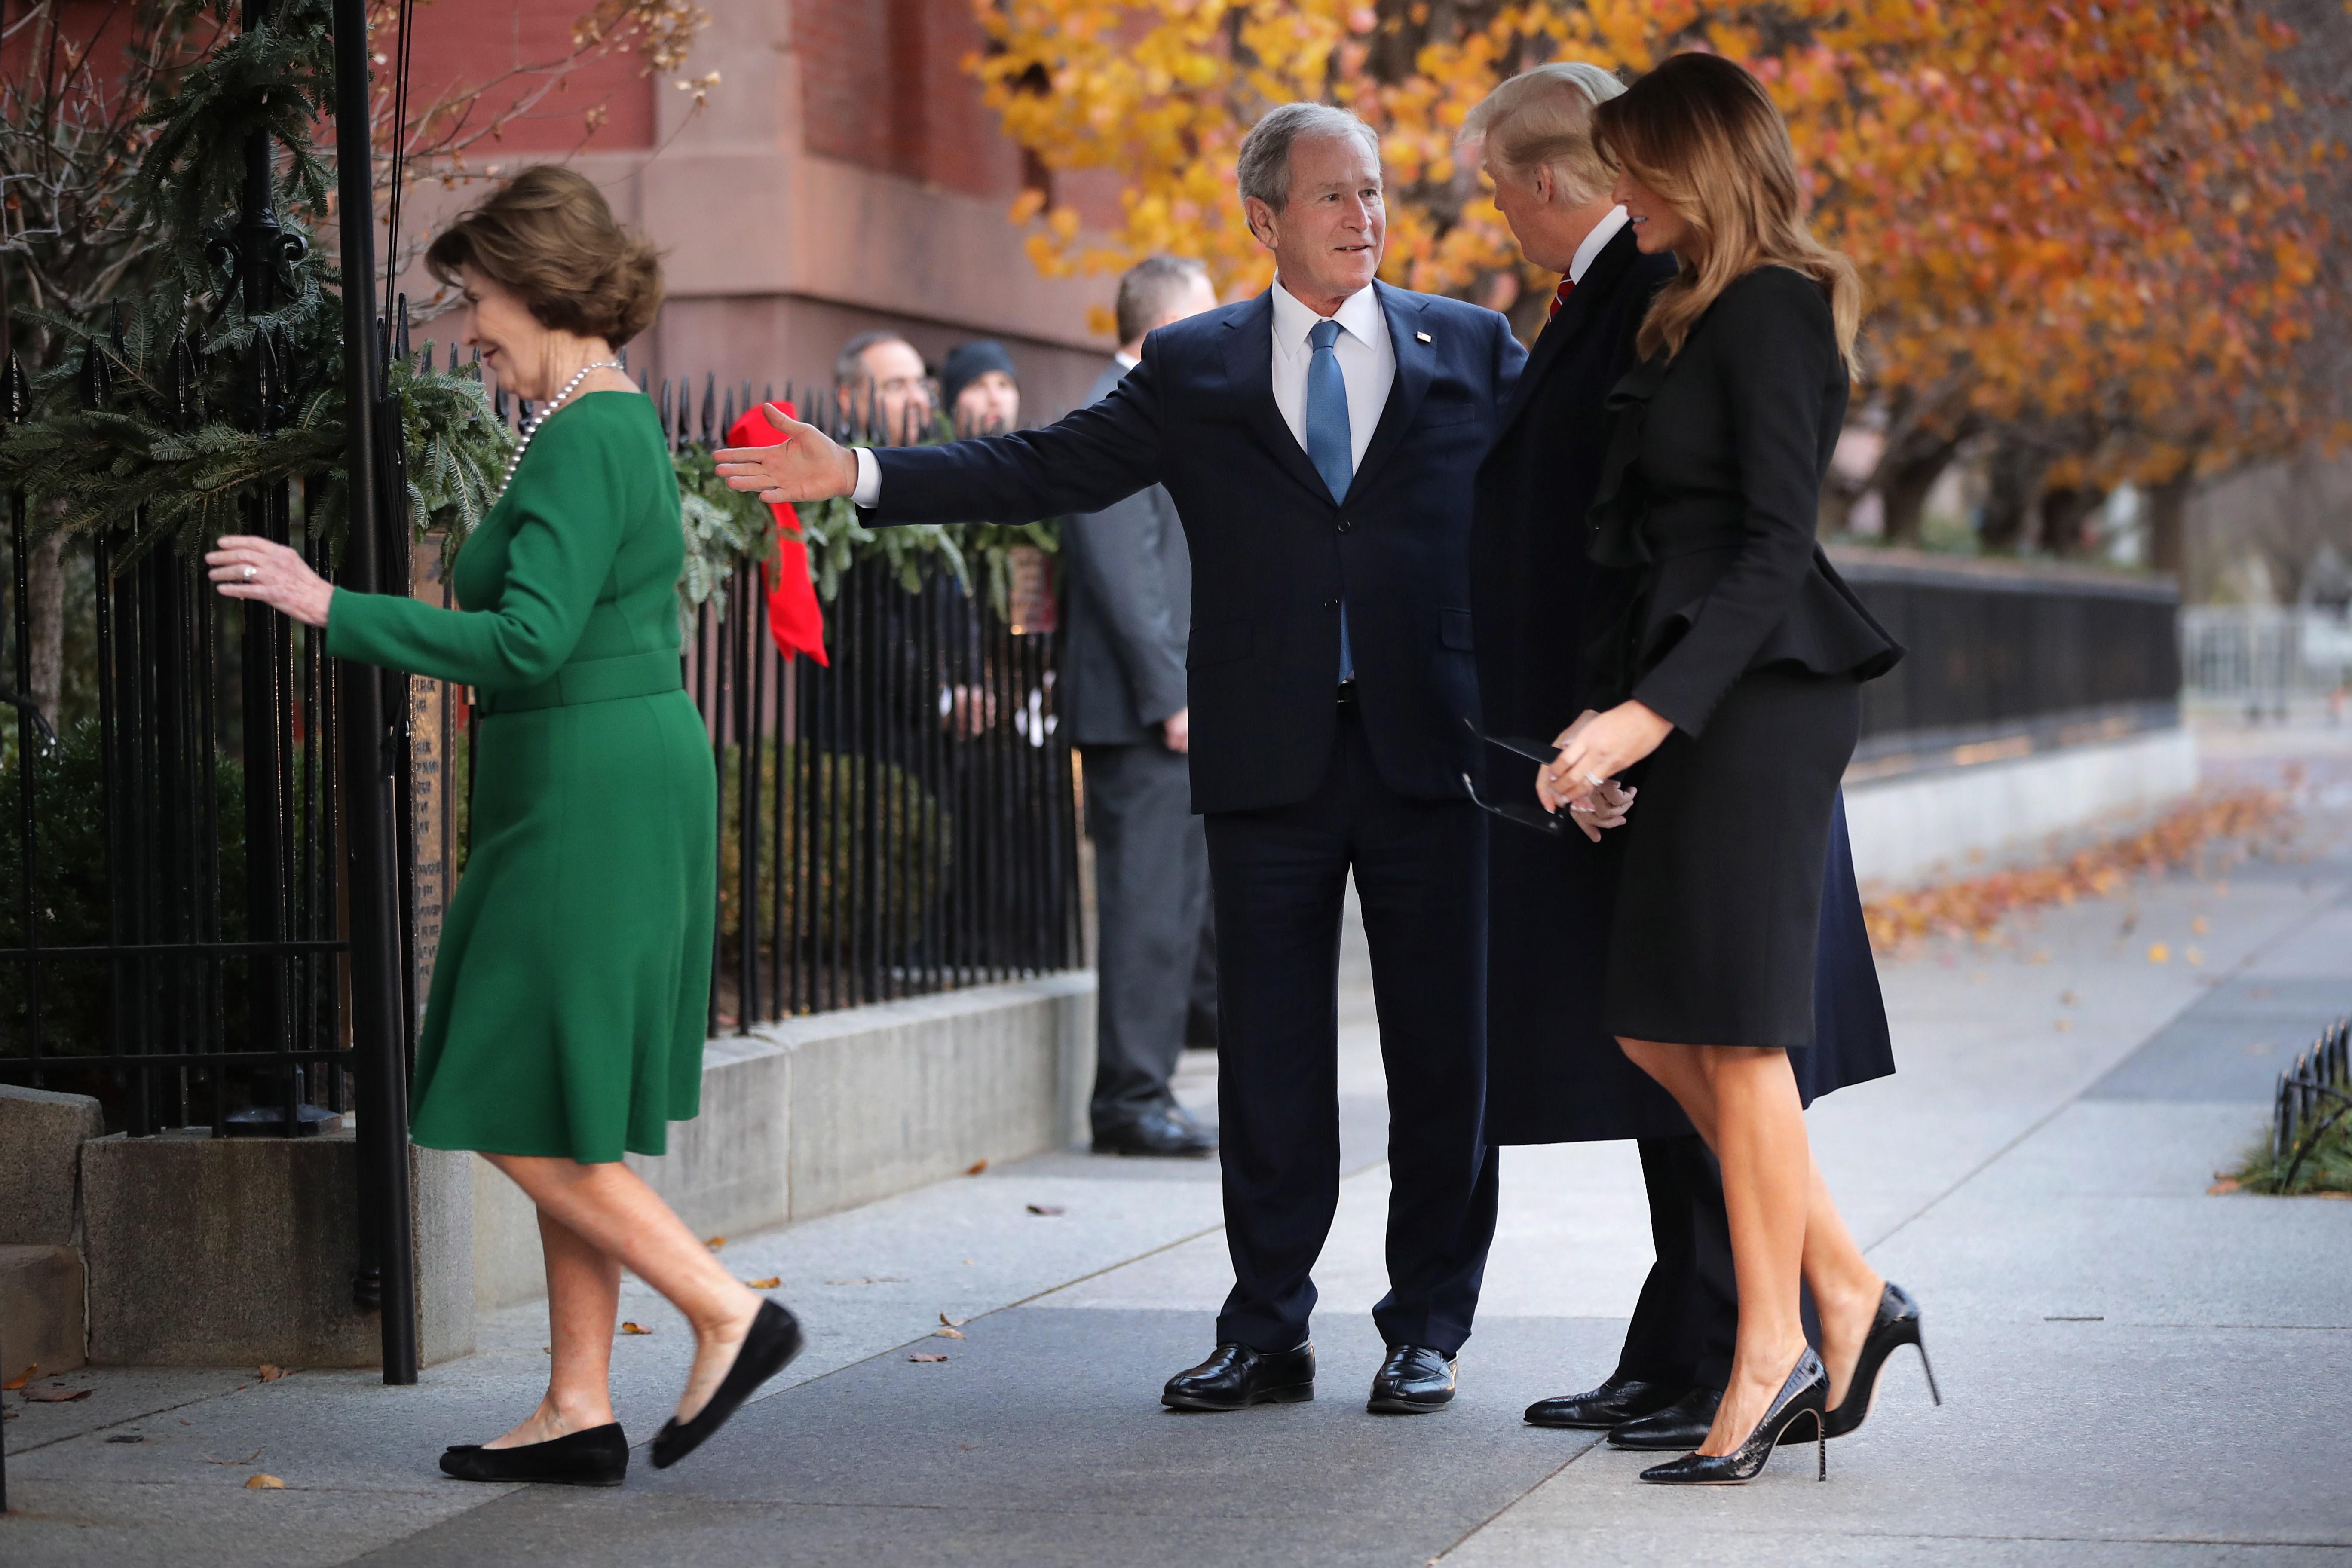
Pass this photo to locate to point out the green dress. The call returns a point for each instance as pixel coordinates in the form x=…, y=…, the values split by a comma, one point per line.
x=573, y=985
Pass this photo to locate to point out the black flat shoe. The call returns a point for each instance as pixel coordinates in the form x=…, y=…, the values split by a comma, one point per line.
x=1678, y=1428
x=767, y=1350
x=1897, y=1323
x=1613, y=1404
x=593, y=1457
x=1804, y=1396
x=1236, y=1378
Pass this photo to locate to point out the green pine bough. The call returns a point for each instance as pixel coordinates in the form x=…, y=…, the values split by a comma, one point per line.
x=118, y=438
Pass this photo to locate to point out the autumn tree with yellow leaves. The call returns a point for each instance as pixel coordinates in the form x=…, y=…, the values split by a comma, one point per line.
x=2098, y=232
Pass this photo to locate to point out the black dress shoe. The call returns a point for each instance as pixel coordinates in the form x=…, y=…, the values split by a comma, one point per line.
x=1236, y=1378
x=1803, y=1401
x=593, y=1456
x=1161, y=1133
x=1413, y=1380
x=1897, y=1323
x=1676, y=1428
x=1613, y=1404
x=767, y=1350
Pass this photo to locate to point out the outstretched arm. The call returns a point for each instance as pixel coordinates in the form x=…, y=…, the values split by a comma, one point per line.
x=1082, y=462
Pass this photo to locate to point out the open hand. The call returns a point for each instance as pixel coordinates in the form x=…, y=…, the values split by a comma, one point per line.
x=1595, y=749
x=806, y=465
x=247, y=567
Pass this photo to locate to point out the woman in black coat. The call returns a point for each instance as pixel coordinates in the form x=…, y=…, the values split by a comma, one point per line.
x=1733, y=678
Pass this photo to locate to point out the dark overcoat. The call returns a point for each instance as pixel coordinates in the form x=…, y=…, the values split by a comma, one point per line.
x=1553, y=1075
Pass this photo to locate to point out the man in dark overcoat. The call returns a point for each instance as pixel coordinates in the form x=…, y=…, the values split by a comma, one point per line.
x=1554, y=1074
x=1319, y=442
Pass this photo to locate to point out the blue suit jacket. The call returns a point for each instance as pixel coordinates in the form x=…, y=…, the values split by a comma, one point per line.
x=1272, y=551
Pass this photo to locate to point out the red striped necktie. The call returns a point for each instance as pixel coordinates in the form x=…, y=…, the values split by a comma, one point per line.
x=1559, y=297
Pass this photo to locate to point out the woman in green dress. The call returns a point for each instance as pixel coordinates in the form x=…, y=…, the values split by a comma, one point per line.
x=566, y=1017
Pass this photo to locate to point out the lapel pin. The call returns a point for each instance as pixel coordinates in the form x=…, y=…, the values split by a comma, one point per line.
x=1423, y=337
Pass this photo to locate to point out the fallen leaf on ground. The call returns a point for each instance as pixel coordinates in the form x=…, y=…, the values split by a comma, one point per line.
x=714, y=1242
x=2067, y=997
x=263, y=1484
x=2195, y=955
x=57, y=1395
x=2199, y=926
x=2226, y=1184
x=22, y=1378
x=947, y=1333
x=629, y=1328
x=2158, y=953
x=925, y=1355
x=2235, y=825
x=270, y=1374
x=2065, y=1023
x=1047, y=1208
x=770, y=1283
x=247, y=1460
x=948, y=1322
x=975, y=1168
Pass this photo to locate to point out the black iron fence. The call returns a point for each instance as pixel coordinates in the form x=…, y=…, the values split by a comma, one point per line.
x=171, y=937
x=2005, y=658
x=897, y=820
x=2314, y=1097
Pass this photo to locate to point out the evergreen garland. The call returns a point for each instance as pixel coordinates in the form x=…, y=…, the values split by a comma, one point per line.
x=148, y=423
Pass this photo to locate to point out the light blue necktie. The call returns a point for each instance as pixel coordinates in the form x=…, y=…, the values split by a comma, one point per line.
x=1327, y=442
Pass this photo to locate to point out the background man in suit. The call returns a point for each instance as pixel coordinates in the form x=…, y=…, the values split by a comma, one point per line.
x=1319, y=443
x=1122, y=696
x=880, y=384
x=1554, y=1074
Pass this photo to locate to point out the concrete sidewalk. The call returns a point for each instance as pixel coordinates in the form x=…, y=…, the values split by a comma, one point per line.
x=2133, y=1371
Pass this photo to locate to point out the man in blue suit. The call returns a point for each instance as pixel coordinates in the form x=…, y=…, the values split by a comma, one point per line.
x=1319, y=442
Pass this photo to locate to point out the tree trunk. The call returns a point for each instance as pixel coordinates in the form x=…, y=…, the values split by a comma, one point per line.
x=44, y=604
x=2014, y=481
x=2167, y=522
x=2065, y=509
x=1906, y=484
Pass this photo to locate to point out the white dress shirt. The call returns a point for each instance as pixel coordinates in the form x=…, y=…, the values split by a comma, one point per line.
x=1594, y=242
x=1367, y=362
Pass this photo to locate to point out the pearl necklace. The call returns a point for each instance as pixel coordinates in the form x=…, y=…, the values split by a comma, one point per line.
x=543, y=417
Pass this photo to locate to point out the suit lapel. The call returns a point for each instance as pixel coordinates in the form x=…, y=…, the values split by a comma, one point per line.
x=1599, y=282
x=1415, y=361
x=1249, y=371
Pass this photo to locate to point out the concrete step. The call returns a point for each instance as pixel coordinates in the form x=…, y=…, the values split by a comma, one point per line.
x=42, y=1316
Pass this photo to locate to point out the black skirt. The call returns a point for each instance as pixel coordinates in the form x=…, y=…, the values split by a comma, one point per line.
x=1719, y=898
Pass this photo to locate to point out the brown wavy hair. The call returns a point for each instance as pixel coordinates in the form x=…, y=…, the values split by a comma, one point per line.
x=548, y=236
x=1701, y=132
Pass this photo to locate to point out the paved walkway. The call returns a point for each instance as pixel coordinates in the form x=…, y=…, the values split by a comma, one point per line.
x=2135, y=1371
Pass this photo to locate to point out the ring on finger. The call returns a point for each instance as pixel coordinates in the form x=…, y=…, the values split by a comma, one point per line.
x=251, y=573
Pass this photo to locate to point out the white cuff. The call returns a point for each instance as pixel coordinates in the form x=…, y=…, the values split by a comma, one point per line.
x=868, y=492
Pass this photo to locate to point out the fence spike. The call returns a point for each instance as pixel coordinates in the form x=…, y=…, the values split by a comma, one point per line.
x=114, y=331
x=727, y=414
x=748, y=404
x=709, y=404
x=183, y=383
x=664, y=410
x=622, y=353
x=402, y=343
x=16, y=391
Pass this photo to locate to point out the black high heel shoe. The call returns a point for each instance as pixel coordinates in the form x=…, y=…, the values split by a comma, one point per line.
x=767, y=1350
x=1804, y=1396
x=593, y=1456
x=1897, y=1323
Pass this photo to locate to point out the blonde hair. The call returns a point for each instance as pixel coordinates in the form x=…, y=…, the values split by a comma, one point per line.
x=1542, y=119
x=548, y=236
x=1700, y=131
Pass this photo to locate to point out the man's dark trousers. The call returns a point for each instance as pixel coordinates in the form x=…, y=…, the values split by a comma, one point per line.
x=1279, y=879
x=1688, y=1313
x=1151, y=897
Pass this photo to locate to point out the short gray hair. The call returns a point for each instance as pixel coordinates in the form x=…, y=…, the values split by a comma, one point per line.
x=1542, y=119
x=1265, y=168
x=1146, y=290
x=849, y=365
